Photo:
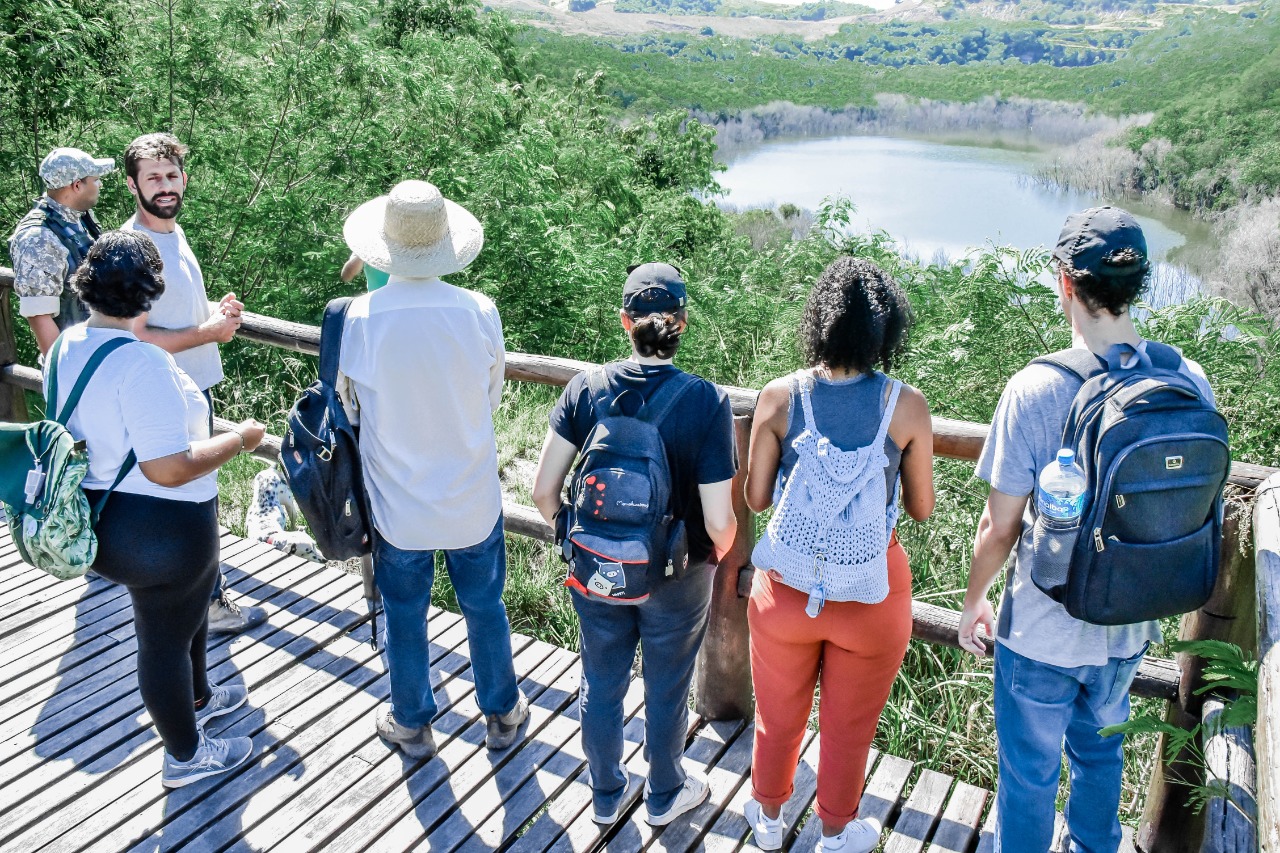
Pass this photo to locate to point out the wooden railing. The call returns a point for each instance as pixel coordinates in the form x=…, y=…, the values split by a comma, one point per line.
x=723, y=684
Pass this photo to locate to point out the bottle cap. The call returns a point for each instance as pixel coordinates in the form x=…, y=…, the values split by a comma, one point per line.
x=1066, y=457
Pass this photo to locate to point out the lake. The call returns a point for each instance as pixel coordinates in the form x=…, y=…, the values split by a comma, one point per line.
x=935, y=197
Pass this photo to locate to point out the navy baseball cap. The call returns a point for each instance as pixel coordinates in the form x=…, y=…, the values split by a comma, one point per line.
x=654, y=289
x=1091, y=238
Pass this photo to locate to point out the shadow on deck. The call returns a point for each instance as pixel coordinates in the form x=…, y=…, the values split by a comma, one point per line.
x=80, y=763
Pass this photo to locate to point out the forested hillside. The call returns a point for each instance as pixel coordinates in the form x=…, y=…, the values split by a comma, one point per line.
x=1210, y=77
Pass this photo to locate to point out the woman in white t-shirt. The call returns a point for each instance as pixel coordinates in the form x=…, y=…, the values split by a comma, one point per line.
x=158, y=532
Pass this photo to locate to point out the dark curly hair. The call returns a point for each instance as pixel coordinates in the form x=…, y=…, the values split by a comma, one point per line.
x=657, y=334
x=120, y=277
x=856, y=318
x=1114, y=285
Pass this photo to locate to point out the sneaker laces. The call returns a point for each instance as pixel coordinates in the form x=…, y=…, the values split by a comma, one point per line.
x=225, y=601
x=212, y=752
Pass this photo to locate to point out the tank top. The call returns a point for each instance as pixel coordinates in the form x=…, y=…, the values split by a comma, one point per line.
x=848, y=413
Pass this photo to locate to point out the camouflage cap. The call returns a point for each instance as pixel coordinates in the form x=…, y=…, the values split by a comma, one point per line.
x=65, y=166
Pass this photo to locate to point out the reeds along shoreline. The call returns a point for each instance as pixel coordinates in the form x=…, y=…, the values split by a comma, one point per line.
x=1009, y=121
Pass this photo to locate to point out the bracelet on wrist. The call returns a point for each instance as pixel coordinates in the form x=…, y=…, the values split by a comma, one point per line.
x=240, y=436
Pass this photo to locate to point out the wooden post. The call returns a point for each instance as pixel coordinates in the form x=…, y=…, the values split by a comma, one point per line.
x=722, y=681
x=13, y=400
x=1228, y=757
x=1266, y=532
x=1169, y=823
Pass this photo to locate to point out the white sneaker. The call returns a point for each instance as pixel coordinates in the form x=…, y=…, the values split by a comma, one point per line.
x=692, y=795
x=223, y=699
x=213, y=756
x=767, y=831
x=860, y=836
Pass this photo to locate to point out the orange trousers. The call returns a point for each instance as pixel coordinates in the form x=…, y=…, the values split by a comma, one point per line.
x=854, y=652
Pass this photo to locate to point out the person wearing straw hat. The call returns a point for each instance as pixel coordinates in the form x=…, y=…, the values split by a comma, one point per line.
x=51, y=240
x=421, y=372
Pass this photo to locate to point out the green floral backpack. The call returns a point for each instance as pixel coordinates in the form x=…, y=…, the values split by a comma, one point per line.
x=41, y=468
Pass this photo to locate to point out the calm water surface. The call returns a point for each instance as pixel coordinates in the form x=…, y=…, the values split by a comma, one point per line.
x=936, y=197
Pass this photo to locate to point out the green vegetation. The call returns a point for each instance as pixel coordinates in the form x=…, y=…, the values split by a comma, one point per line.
x=298, y=113
x=1210, y=77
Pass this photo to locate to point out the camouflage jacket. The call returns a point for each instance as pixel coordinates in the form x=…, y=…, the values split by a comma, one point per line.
x=46, y=247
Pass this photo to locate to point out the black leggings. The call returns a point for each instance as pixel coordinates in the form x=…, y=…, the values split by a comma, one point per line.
x=165, y=553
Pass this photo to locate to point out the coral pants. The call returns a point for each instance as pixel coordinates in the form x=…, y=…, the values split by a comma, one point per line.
x=854, y=651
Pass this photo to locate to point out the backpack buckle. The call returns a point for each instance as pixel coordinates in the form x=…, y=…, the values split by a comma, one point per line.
x=324, y=454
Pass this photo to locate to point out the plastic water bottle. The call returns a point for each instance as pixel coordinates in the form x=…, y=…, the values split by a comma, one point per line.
x=1060, y=496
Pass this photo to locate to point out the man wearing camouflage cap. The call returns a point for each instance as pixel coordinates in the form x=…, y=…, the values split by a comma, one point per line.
x=53, y=238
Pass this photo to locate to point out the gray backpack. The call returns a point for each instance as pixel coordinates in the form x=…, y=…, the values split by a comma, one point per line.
x=1155, y=457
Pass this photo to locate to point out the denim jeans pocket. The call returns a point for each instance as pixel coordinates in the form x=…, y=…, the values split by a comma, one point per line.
x=1042, y=682
x=1125, y=671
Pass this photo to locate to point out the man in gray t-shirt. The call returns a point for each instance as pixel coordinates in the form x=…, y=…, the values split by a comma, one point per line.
x=1057, y=678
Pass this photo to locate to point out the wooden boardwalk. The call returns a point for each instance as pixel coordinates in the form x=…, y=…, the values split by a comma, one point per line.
x=80, y=763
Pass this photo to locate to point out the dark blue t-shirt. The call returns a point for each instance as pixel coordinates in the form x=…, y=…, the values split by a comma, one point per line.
x=697, y=434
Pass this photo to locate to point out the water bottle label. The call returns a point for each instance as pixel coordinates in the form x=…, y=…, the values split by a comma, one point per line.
x=1061, y=507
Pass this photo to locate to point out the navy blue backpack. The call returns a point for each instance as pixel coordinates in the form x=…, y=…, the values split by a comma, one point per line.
x=320, y=455
x=618, y=533
x=1155, y=455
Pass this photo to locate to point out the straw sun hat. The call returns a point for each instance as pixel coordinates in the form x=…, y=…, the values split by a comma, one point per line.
x=414, y=232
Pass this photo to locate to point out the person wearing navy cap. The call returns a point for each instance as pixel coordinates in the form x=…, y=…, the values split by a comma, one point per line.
x=697, y=434
x=1058, y=679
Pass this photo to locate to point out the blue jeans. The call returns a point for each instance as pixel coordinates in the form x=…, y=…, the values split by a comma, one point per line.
x=1038, y=706
x=478, y=573
x=668, y=627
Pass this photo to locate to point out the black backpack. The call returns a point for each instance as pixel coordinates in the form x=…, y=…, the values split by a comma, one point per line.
x=1155, y=458
x=618, y=532
x=320, y=455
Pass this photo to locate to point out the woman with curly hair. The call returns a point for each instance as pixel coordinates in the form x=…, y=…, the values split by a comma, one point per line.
x=833, y=444
x=158, y=531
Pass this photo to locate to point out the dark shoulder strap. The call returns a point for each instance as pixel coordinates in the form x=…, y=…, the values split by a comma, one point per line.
x=664, y=397
x=125, y=467
x=77, y=390
x=91, y=226
x=335, y=315
x=1163, y=356
x=1080, y=363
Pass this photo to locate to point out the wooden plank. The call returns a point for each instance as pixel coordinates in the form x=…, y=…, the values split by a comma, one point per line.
x=432, y=789
x=920, y=814
x=118, y=745
x=456, y=798
x=1061, y=840
x=583, y=833
x=127, y=784
x=353, y=675
x=91, y=690
x=879, y=798
x=726, y=777
x=110, y=599
x=290, y=795
x=631, y=833
x=569, y=803
x=987, y=838
x=731, y=829
x=959, y=825
x=108, y=622
x=378, y=769
x=1266, y=527
x=139, y=798
x=509, y=770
